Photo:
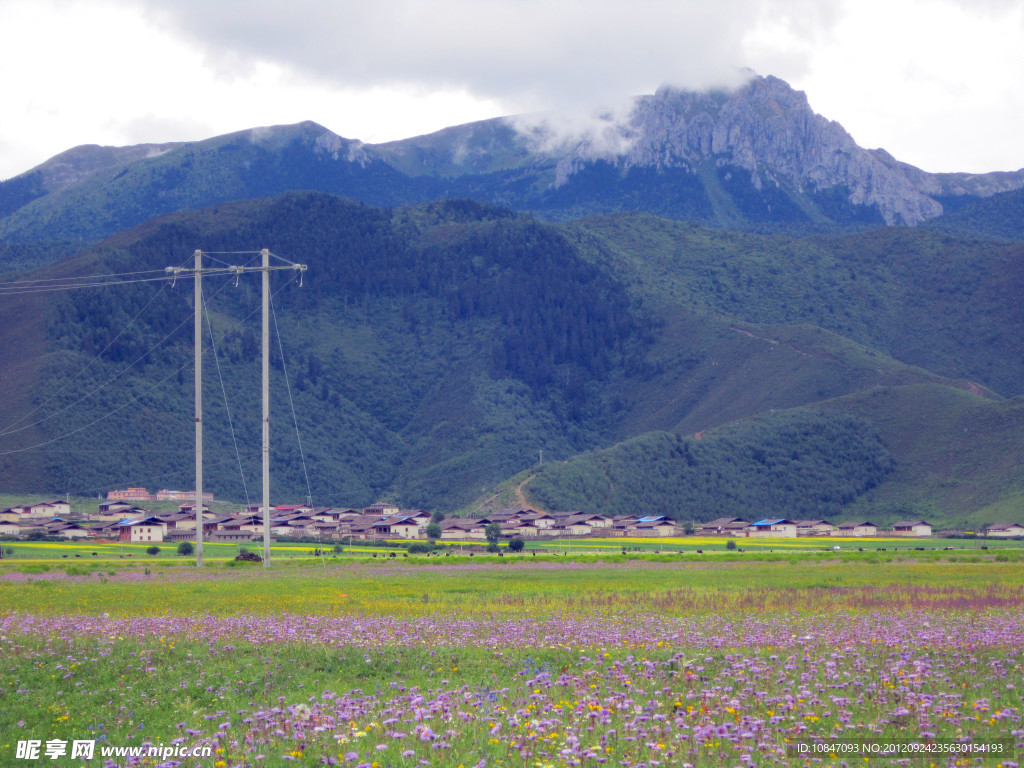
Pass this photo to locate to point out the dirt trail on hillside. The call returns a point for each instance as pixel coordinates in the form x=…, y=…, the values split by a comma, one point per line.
x=521, y=497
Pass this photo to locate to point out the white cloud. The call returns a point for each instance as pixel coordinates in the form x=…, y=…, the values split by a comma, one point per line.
x=105, y=73
x=527, y=53
x=932, y=81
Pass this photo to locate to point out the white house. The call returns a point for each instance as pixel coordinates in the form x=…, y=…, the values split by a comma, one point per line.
x=421, y=516
x=328, y=514
x=814, y=528
x=283, y=528
x=772, y=528
x=591, y=520
x=462, y=528
x=381, y=509
x=66, y=530
x=398, y=525
x=45, y=509
x=917, y=528
x=856, y=529
x=1004, y=530
x=142, y=529
x=724, y=526
x=455, y=529
x=654, y=528
x=9, y=516
x=573, y=527
x=527, y=530
x=115, y=511
x=539, y=519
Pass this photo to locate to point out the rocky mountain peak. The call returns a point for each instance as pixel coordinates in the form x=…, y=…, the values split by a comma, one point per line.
x=766, y=128
x=752, y=155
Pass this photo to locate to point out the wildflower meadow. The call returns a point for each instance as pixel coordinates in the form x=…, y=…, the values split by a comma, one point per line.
x=908, y=659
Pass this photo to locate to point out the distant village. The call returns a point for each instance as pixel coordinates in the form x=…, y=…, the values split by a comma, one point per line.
x=119, y=518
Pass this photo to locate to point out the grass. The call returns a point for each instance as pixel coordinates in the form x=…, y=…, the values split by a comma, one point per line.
x=528, y=660
x=471, y=586
x=536, y=661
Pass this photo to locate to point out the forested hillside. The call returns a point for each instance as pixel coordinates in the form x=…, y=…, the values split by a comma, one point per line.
x=428, y=352
x=998, y=216
x=945, y=304
x=434, y=351
x=795, y=464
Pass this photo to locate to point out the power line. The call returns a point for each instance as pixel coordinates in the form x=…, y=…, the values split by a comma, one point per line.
x=52, y=284
x=172, y=273
x=9, y=431
x=67, y=383
x=295, y=421
x=119, y=450
x=197, y=272
x=30, y=289
x=227, y=408
x=97, y=420
x=68, y=278
x=127, y=403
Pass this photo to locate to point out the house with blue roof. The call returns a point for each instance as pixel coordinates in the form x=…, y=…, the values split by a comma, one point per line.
x=141, y=529
x=773, y=527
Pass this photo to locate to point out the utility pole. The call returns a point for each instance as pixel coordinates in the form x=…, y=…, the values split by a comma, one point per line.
x=198, y=271
x=198, y=338
x=266, y=406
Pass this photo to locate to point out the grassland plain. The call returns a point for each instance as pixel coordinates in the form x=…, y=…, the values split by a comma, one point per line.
x=217, y=551
x=537, y=661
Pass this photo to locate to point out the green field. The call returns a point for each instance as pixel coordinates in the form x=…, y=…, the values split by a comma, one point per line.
x=17, y=551
x=538, y=660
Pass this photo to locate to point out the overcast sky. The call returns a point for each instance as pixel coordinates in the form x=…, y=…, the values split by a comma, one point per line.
x=938, y=83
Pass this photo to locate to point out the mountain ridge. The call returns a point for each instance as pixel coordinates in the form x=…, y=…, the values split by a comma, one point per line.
x=753, y=158
x=724, y=264
x=434, y=349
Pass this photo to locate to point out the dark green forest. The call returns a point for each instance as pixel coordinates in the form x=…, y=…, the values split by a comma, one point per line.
x=999, y=216
x=796, y=464
x=427, y=352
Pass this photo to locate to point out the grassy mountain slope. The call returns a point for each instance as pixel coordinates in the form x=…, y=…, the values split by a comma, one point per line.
x=39, y=226
x=434, y=351
x=757, y=159
x=889, y=453
x=238, y=166
x=927, y=299
x=958, y=456
x=712, y=371
x=930, y=299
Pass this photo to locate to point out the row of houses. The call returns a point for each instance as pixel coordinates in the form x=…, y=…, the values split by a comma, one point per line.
x=56, y=526
x=123, y=521
x=785, y=528
x=385, y=522
x=39, y=511
x=528, y=523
